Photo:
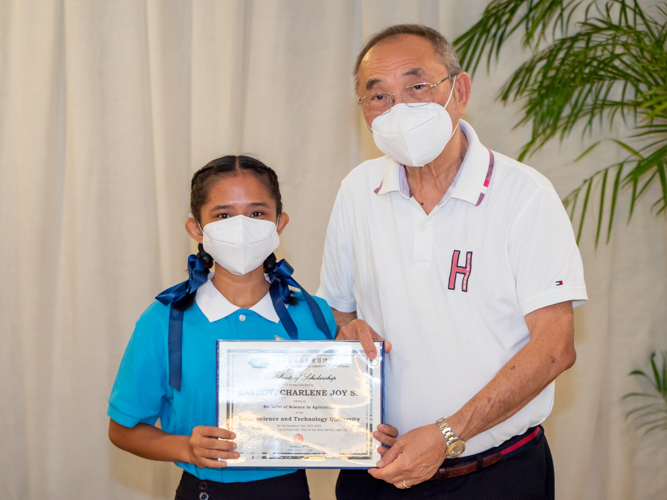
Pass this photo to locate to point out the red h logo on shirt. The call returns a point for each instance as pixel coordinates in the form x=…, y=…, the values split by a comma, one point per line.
x=456, y=269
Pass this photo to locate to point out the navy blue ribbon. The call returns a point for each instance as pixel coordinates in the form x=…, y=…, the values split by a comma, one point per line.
x=197, y=277
x=281, y=280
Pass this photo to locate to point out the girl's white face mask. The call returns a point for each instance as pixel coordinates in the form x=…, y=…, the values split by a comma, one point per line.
x=240, y=244
x=414, y=135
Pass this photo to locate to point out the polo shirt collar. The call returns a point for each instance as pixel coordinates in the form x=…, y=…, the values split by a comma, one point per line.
x=476, y=170
x=394, y=180
x=472, y=179
x=215, y=306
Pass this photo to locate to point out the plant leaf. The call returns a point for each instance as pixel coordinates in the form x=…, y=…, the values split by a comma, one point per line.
x=602, y=194
x=614, y=199
x=639, y=409
x=642, y=394
x=583, y=211
x=611, y=64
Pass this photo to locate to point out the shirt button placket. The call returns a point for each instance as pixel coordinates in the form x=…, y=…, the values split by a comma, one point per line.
x=240, y=326
x=422, y=245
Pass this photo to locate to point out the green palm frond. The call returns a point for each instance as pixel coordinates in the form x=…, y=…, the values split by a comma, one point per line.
x=613, y=65
x=652, y=415
x=502, y=18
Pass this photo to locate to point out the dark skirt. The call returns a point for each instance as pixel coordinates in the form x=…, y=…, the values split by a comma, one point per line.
x=292, y=486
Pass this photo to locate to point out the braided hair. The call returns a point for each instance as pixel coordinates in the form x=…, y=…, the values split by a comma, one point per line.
x=201, y=183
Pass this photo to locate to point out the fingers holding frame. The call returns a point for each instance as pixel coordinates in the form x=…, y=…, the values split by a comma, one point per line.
x=210, y=446
x=362, y=332
x=386, y=434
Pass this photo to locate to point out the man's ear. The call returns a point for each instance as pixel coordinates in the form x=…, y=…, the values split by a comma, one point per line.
x=194, y=230
x=282, y=222
x=462, y=88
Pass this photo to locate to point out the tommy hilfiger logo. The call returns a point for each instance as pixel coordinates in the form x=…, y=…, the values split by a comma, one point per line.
x=464, y=270
x=559, y=283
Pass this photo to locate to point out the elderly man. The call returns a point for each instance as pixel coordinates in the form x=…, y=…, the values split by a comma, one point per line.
x=464, y=261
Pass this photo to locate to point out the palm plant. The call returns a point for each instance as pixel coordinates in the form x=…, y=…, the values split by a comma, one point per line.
x=653, y=414
x=590, y=62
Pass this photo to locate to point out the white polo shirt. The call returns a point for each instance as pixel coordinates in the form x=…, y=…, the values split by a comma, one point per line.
x=450, y=289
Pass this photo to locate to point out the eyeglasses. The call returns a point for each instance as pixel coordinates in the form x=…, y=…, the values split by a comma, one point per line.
x=415, y=95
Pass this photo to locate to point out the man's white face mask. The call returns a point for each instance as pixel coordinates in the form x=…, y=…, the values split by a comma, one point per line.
x=414, y=135
x=240, y=244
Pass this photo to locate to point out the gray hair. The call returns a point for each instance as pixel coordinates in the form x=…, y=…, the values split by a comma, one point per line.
x=442, y=47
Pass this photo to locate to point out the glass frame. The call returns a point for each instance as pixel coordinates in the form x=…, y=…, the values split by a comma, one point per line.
x=403, y=99
x=340, y=402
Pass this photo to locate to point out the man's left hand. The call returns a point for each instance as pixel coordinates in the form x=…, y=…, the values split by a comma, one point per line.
x=387, y=435
x=414, y=458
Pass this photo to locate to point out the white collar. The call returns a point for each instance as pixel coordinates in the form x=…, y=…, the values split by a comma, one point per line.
x=470, y=183
x=215, y=306
x=476, y=169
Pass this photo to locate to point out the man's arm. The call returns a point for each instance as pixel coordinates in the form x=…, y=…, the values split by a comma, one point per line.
x=343, y=319
x=348, y=327
x=416, y=455
x=549, y=352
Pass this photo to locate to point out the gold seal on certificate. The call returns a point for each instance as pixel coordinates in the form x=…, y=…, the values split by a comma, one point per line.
x=300, y=404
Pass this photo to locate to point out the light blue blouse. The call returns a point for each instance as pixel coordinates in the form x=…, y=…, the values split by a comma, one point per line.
x=141, y=392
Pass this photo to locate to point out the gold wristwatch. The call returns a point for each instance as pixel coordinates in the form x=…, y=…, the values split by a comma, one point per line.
x=454, y=445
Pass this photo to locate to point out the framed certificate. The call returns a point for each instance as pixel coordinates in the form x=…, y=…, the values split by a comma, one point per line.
x=301, y=404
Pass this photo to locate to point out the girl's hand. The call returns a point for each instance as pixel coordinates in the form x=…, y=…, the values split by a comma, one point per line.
x=387, y=435
x=207, y=444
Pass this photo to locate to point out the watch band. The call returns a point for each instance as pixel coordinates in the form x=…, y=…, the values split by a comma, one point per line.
x=455, y=446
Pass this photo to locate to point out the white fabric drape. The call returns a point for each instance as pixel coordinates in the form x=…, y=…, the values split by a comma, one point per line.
x=106, y=109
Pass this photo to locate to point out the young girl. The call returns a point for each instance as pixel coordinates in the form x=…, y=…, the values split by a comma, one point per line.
x=168, y=370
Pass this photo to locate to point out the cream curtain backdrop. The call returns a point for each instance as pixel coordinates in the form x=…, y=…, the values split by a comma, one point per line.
x=107, y=108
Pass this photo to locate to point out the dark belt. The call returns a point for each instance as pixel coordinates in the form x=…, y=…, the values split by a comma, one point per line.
x=489, y=457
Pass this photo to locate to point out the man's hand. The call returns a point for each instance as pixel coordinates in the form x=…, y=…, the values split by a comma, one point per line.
x=413, y=458
x=387, y=435
x=210, y=443
x=351, y=328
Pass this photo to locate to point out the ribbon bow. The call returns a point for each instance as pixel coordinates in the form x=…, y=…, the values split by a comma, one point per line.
x=281, y=279
x=197, y=276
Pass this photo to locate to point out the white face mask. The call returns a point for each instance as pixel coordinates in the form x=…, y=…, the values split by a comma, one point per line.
x=414, y=136
x=240, y=244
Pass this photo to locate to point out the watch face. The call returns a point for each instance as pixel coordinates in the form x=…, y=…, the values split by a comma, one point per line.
x=456, y=449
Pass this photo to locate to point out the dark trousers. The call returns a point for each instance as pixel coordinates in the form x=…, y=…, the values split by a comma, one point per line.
x=288, y=487
x=526, y=474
